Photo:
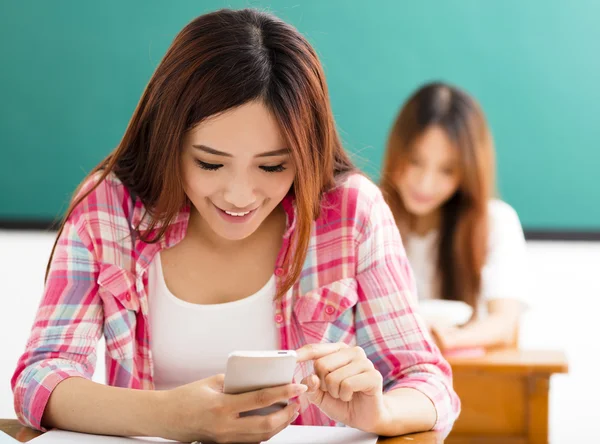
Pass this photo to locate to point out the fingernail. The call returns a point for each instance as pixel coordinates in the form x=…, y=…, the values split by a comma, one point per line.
x=300, y=388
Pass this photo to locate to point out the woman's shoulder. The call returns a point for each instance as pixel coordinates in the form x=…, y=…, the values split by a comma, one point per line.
x=356, y=187
x=353, y=195
x=105, y=200
x=501, y=213
x=504, y=222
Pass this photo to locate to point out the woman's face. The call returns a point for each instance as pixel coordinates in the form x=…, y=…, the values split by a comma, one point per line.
x=432, y=174
x=236, y=170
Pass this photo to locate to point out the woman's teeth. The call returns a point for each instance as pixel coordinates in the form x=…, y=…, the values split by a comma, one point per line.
x=237, y=214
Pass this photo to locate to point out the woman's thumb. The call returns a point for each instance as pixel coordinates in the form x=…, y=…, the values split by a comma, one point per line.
x=313, y=394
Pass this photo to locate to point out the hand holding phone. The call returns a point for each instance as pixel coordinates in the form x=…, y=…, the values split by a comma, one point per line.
x=248, y=371
x=201, y=411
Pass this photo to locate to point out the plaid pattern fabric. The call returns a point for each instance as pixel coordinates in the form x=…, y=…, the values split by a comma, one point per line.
x=356, y=286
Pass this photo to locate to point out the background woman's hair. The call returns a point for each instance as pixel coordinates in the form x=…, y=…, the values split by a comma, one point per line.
x=219, y=61
x=464, y=229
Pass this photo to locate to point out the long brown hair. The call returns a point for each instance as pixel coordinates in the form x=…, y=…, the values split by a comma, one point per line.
x=219, y=61
x=464, y=227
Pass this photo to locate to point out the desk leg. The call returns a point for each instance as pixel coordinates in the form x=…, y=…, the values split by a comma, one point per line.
x=537, y=408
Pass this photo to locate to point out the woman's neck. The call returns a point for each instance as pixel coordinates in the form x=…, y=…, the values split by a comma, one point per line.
x=421, y=225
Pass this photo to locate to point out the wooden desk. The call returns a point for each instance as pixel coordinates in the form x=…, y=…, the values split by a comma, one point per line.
x=504, y=396
x=24, y=434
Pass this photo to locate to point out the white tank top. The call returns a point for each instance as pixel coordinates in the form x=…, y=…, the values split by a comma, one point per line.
x=191, y=341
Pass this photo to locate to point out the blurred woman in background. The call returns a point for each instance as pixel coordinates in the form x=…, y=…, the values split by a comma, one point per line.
x=464, y=245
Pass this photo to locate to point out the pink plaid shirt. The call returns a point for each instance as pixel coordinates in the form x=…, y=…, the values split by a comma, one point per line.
x=356, y=287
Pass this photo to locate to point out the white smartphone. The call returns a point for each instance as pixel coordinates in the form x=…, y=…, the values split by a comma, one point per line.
x=248, y=371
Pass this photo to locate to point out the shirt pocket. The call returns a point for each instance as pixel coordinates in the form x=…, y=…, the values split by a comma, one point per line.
x=121, y=307
x=120, y=284
x=326, y=314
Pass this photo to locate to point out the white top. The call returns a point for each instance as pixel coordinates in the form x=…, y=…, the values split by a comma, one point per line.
x=192, y=341
x=503, y=275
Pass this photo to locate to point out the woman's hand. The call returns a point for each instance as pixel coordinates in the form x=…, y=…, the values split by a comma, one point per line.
x=444, y=337
x=200, y=411
x=346, y=386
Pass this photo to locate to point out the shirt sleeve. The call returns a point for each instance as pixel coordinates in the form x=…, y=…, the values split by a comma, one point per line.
x=67, y=327
x=388, y=326
x=504, y=273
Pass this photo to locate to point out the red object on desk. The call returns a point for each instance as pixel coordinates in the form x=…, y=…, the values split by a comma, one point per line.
x=472, y=352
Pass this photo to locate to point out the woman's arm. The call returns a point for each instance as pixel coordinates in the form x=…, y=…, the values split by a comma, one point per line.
x=504, y=286
x=199, y=411
x=81, y=405
x=496, y=330
x=417, y=380
x=67, y=327
x=416, y=410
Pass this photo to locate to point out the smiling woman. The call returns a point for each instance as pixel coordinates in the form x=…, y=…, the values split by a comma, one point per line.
x=236, y=179
x=230, y=218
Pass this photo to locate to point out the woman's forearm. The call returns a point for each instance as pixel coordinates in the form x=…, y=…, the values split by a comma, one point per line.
x=81, y=405
x=408, y=411
x=495, y=330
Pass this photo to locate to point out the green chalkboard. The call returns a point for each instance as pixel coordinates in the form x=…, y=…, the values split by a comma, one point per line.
x=72, y=72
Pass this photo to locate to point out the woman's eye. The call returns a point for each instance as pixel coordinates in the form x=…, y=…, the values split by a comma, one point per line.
x=208, y=166
x=273, y=169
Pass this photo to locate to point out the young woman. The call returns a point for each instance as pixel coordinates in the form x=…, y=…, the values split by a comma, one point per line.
x=229, y=217
x=463, y=244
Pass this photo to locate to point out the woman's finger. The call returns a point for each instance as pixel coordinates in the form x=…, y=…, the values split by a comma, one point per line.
x=332, y=362
x=334, y=379
x=265, y=427
x=315, y=351
x=245, y=402
x=369, y=383
x=313, y=394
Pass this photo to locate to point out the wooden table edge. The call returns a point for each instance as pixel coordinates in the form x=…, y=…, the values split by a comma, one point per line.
x=524, y=361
